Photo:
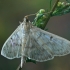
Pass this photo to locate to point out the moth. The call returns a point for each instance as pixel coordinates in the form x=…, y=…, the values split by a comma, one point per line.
x=36, y=44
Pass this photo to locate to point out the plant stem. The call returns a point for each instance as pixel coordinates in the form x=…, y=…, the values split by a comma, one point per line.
x=49, y=15
x=54, y=6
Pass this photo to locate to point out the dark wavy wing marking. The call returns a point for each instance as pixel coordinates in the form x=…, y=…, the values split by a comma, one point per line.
x=44, y=45
x=12, y=47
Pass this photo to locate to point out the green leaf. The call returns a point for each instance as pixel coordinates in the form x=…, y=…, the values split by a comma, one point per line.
x=40, y=19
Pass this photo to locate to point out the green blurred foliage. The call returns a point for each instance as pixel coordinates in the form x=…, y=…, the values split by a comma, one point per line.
x=13, y=11
x=61, y=9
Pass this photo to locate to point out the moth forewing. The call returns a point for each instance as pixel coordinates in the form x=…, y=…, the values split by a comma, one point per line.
x=46, y=45
x=15, y=44
x=12, y=47
x=56, y=45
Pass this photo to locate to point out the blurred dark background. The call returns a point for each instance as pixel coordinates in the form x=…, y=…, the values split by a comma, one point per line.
x=13, y=11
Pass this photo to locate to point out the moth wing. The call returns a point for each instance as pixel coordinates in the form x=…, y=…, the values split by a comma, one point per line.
x=57, y=45
x=45, y=45
x=12, y=47
x=34, y=51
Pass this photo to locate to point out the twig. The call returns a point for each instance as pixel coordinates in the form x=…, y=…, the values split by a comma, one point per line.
x=49, y=15
x=54, y=6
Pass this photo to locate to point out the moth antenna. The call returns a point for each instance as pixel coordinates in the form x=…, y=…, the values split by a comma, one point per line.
x=31, y=14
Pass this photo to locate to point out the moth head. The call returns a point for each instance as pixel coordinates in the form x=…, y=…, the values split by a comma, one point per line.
x=26, y=23
x=26, y=19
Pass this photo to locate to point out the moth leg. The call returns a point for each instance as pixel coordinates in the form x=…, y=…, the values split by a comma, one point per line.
x=23, y=60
